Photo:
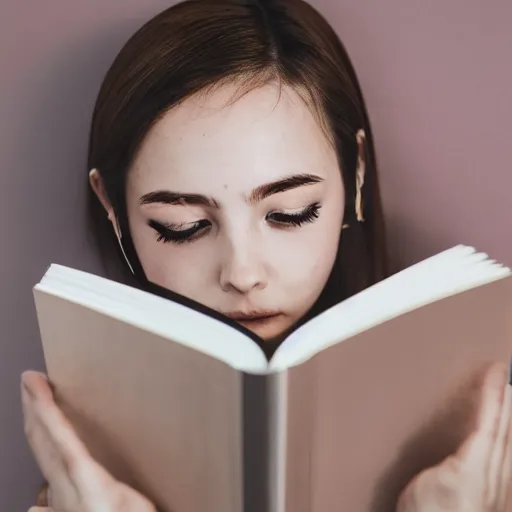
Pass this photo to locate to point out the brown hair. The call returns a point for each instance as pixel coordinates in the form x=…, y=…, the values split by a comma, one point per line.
x=199, y=44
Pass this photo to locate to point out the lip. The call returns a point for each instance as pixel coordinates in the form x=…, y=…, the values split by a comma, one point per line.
x=252, y=316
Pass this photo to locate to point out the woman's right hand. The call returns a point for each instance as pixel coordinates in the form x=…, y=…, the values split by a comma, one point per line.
x=77, y=483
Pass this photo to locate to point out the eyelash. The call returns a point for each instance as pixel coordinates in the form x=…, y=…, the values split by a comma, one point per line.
x=307, y=215
x=170, y=233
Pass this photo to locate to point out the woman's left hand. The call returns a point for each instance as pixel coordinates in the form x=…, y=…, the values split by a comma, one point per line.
x=77, y=483
x=477, y=477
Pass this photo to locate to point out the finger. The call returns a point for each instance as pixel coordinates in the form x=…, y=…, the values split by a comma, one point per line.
x=42, y=499
x=73, y=475
x=51, y=418
x=63, y=458
x=476, y=451
x=506, y=468
x=499, y=452
x=45, y=451
x=55, y=438
x=39, y=509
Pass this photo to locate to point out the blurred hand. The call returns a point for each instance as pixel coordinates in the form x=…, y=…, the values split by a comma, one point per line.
x=476, y=478
x=77, y=483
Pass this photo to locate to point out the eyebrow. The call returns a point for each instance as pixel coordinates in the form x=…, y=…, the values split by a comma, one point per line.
x=257, y=195
x=177, y=198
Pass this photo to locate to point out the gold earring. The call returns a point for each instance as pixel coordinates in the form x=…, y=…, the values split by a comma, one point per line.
x=345, y=226
x=360, y=174
x=117, y=230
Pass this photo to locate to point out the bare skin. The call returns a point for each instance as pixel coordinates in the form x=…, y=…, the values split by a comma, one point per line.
x=474, y=479
x=252, y=259
x=477, y=477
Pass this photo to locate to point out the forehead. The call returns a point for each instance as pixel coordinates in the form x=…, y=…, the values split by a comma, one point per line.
x=265, y=135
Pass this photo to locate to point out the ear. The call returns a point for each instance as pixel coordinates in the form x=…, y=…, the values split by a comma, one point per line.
x=96, y=182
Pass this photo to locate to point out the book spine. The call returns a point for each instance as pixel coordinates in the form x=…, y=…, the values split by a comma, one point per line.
x=263, y=442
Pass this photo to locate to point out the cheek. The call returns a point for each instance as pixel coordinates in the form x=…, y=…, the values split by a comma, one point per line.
x=179, y=268
x=169, y=265
x=305, y=258
x=162, y=264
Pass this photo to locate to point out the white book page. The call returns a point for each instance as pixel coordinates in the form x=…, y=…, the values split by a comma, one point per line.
x=157, y=315
x=449, y=272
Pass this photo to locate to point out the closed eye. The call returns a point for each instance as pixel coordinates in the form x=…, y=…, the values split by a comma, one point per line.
x=176, y=233
x=307, y=215
x=181, y=233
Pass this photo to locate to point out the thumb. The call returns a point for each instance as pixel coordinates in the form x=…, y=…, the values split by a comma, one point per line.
x=477, y=449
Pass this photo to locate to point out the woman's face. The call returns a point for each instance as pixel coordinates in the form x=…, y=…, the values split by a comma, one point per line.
x=239, y=206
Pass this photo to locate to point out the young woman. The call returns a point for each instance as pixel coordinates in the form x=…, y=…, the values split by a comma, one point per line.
x=231, y=161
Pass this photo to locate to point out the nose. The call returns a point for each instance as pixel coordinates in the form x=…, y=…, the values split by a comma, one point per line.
x=243, y=269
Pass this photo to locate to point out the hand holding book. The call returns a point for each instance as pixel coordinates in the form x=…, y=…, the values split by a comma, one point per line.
x=76, y=481
x=474, y=479
x=477, y=477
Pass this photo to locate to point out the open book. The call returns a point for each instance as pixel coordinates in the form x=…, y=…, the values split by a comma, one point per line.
x=187, y=409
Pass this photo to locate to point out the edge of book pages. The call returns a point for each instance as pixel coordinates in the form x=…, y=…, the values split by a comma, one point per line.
x=450, y=272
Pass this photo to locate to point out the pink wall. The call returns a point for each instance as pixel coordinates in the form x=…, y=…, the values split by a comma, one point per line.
x=438, y=81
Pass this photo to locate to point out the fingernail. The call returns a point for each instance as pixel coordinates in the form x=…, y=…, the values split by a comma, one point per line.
x=25, y=388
